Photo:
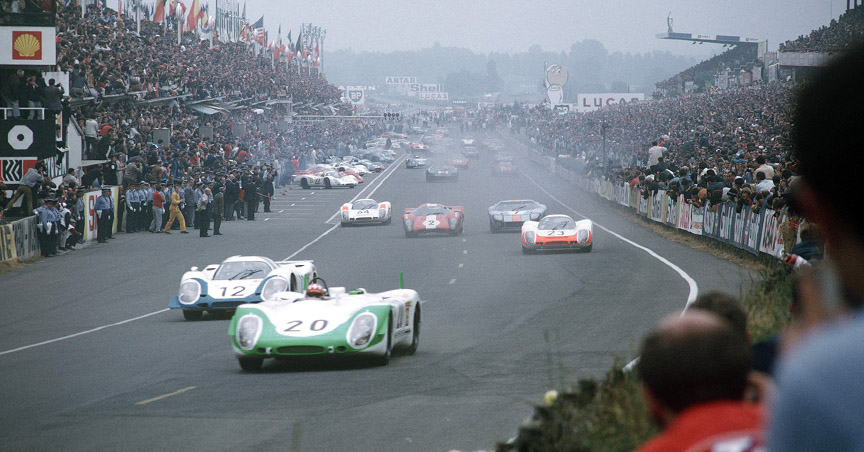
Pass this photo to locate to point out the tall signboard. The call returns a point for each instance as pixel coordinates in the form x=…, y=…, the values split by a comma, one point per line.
x=556, y=77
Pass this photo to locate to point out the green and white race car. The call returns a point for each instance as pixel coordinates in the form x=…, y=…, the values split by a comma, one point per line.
x=325, y=322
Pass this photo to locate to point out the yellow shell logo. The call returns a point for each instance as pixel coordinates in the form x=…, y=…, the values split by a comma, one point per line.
x=26, y=45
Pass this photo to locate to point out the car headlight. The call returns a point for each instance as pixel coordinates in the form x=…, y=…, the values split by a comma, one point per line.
x=452, y=223
x=582, y=236
x=362, y=329
x=535, y=216
x=273, y=286
x=409, y=224
x=530, y=237
x=345, y=214
x=190, y=291
x=498, y=217
x=248, y=331
x=382, y=213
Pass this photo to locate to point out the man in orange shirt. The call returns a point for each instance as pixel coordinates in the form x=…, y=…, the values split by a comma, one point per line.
x=694, y=372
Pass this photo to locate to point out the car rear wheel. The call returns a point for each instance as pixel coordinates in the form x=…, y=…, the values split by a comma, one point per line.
x=192, y=314
x=327, y=183
x=250, y=364
x=384, y=359
x=304, y=183
x=415, y=336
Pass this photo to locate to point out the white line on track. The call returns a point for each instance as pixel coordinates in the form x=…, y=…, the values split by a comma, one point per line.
x=51, y=341
x=694, y=288
x=380, y=181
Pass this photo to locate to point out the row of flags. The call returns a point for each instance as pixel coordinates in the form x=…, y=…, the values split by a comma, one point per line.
x=249, y=33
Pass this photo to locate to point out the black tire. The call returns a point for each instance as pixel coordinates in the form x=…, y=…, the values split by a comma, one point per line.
x=192, y=314
x=527, y=250
x=304, y=183
x=292, y=285
x=250, y=364
x=327, y=183
x=384, y=359
x=492, y=227
x=409, y=234
x=588, y=248
x=415, y=336
x=387, y=221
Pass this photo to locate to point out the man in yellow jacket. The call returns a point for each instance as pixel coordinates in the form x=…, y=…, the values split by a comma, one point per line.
x=175, y=212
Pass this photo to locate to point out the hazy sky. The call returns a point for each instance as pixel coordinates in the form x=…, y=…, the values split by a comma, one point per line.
x=513, y=26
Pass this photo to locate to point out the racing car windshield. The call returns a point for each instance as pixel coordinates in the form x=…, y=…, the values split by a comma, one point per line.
x=364, y=204
x=556, y=223
x=241, y=270
x=515, y=205
x=431, y=210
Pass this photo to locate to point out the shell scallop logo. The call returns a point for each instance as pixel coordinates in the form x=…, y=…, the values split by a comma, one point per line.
x=26, y=45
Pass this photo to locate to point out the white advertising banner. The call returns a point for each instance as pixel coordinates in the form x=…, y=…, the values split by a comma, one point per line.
x=591, y=102
x=396, y=80
x=433, y=96
x=21, y=45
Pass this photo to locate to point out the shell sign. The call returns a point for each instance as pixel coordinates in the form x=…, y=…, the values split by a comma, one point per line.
x=34, y=46
x=26, y=45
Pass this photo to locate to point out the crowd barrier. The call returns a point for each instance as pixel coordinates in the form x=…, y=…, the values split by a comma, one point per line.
x=18, y=239
x=755, y=232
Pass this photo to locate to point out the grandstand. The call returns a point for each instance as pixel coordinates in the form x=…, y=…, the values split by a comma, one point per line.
x=798, y=57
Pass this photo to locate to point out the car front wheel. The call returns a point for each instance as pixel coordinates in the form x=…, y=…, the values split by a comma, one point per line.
x=250, y=364
x=384, y=359
x=192, y=314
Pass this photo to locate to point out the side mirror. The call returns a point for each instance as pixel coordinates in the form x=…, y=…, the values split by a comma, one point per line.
x=193, y=269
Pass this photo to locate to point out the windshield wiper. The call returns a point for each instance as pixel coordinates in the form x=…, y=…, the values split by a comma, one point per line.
x=244, y=274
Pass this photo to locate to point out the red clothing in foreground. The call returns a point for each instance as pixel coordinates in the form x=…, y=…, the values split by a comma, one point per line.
x=726, y=426
x=158, y=199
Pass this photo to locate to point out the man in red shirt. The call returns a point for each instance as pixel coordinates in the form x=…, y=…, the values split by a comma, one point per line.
x=158, y=203
x=694, y=371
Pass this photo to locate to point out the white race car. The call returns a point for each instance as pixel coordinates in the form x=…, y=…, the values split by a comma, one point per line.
x=326, y=179
x=238, y=280
x=365, y=211
x=325, y=322
x=557, y=232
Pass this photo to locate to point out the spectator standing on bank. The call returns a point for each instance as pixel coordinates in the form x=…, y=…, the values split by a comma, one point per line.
x=819, y=391
x=218, y=208
x=52, y=95
x=158, y=209
x=104, y=215
x=654, y=153
x=91, y=133
x=694, y=371
x=203, y=213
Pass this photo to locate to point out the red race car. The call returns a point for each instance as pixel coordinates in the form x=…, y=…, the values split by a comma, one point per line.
x=433, y=218
x=458, y=161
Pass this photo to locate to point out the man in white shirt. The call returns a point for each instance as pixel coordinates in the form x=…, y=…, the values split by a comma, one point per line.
x=654, y=153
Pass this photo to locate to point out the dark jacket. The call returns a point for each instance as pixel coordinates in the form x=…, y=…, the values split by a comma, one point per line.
x=218, y=204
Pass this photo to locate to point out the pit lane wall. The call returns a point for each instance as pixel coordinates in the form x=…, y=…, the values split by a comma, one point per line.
x=755, y=232
x=18, y=239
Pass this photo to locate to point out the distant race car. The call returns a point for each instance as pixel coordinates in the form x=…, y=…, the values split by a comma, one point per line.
x=433, y=218
x=365, y=211
x=510, y=215
x=326, y=179
x=416, y=162
x=442, y=174
x=238, y=280
x=471, y=152
x=557, y=232
x=504, y=168
x=325, y=322
x=459, y=162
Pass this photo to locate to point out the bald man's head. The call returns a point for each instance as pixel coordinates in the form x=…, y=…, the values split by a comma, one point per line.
x=693, y=359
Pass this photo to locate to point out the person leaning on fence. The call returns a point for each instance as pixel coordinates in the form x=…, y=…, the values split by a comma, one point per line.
x=694, y=370
x=31, y=178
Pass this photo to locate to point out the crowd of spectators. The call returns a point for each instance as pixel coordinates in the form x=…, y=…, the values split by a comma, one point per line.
x=834, y=37
x=127, y=88
x=735, y=59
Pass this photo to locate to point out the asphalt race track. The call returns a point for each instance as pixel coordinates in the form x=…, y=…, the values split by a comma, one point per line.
x=91, y=359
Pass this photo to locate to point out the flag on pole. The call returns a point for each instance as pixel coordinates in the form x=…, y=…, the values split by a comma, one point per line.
x=258, y=23
x=194, y=16
x=297, y=45
x=315, y=61
x=159, y=15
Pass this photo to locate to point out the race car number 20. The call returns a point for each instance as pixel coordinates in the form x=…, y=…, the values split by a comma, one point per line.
x=296, y=326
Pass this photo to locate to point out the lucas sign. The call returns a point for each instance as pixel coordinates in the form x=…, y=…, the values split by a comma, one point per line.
x=591, y=102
